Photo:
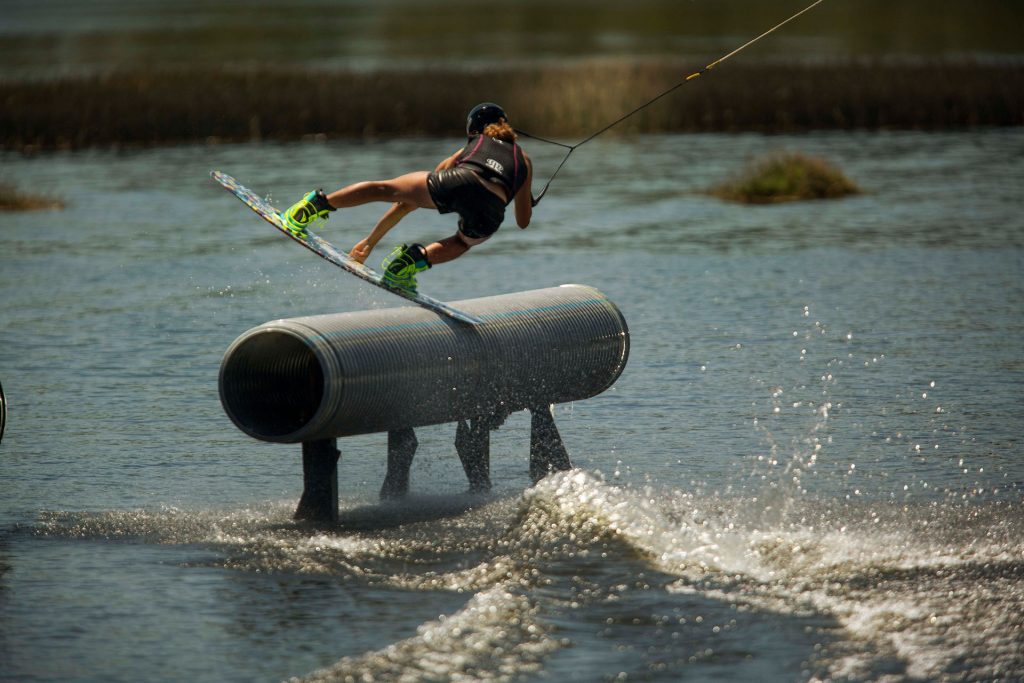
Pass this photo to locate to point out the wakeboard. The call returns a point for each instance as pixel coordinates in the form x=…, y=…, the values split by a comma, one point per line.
x=329, y=252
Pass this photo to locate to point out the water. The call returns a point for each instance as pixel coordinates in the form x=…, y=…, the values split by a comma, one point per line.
x=68, y=37
x=811, y=467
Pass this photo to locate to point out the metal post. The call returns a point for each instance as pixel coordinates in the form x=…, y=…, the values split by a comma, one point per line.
x=547, y=452
x=319, y=502
x=402, y=445
x=473, y=444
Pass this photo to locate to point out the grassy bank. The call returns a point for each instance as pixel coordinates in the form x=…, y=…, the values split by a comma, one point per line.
x=162, y=107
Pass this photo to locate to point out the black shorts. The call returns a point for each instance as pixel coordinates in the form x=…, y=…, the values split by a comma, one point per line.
x=461, y=191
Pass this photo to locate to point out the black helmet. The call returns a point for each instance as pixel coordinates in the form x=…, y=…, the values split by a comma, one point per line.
x=482, y=115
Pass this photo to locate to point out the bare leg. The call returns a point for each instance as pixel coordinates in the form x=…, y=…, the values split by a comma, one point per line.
x=410, y=188
x=446, y=250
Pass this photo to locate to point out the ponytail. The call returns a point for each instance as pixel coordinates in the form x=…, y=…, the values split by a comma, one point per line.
x=500, y=131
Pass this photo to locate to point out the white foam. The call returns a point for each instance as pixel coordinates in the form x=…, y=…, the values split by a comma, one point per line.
x=685, y=545
x=494, y=637
x=902, y=588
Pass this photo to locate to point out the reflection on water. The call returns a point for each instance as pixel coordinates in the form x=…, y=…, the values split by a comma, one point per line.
x=75, y=37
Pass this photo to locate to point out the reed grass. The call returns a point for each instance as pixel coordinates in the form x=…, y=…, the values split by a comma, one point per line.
x=175, y=106
x=786, y=177
x=13, y=199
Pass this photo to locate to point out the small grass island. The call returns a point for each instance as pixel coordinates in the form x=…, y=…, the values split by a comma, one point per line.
x=13, y=199
x=785, y=177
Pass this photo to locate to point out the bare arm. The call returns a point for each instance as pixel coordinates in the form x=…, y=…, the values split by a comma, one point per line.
x=449, y=162
x=397, y=212
x=524, y=198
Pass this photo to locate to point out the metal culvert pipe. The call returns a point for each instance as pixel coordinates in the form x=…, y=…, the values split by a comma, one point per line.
x=327, y=376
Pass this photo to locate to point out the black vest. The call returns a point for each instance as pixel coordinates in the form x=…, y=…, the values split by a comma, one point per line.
x=502, y=162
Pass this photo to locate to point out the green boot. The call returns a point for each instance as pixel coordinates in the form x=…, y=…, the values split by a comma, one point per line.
x=402, y=264
x=307, y=212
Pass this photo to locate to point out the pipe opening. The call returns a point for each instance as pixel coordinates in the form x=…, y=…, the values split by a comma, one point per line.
x=272, y=384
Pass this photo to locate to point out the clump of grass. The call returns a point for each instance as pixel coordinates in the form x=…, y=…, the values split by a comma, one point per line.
x=786, y=177
x=13, y=199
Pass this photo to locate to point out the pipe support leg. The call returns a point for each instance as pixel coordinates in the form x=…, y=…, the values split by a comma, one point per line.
x=402, y=445
x=319, y=502
x=547, y=452
x=473, y=444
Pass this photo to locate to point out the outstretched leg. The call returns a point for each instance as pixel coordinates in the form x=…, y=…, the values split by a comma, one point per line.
x=410, y=188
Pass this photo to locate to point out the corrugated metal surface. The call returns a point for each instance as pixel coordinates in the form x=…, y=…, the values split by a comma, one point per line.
x=354, y=373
